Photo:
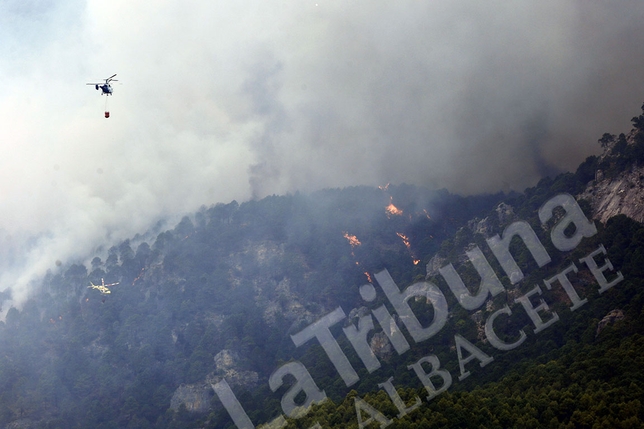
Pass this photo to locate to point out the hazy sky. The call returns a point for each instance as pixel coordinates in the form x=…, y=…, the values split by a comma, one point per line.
x=225, y=100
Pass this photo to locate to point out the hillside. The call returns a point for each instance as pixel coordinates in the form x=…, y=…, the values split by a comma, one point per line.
x=247, y=312
x=215, y=296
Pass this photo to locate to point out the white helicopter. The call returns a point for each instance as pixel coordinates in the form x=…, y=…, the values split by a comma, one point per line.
x=102, y=288
x=106, y=88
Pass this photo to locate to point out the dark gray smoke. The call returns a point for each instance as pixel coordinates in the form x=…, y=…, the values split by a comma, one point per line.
x=472, y=96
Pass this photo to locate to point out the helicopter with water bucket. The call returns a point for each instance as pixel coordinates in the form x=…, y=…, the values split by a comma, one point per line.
x=106, y=89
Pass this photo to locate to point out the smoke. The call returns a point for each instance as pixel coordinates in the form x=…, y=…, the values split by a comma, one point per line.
x=234, y=100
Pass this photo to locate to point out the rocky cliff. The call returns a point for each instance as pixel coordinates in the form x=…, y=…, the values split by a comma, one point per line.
x=622, y=194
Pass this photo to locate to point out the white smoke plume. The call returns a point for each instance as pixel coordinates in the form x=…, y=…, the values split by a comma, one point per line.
x=234, y=100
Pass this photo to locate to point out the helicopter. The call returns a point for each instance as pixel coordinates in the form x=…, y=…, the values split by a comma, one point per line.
x=106, y=88
x=102, y=288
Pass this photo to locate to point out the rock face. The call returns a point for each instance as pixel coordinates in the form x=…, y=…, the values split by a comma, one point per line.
x=487, y=227
x=434, y=265
x=612, y=317
x=196, y=397
x=379, y=343
x=286, y=304
x=613, y=194
x=229, y=365
x=381, y=346
x=623, y=194
x=505, y=212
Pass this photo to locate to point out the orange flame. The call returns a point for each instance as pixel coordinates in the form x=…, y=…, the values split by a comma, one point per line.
x=353, y=240
x=404, y=239
x=391, y=209
x=408, y=246
x=368, y=277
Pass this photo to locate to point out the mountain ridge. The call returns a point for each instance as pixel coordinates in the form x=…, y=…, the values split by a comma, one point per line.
x=237, y=280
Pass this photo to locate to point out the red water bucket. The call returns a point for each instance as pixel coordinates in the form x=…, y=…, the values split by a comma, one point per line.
x=107, y=114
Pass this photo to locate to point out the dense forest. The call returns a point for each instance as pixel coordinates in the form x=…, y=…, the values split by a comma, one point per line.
x=237, y=277
x=223, y=294
x=572, y=376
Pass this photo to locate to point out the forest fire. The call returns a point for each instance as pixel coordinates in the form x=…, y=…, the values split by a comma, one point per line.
x=404, y=239
x=353, y=240
x=405, y=315
x=391, y=210
x=408, y=246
